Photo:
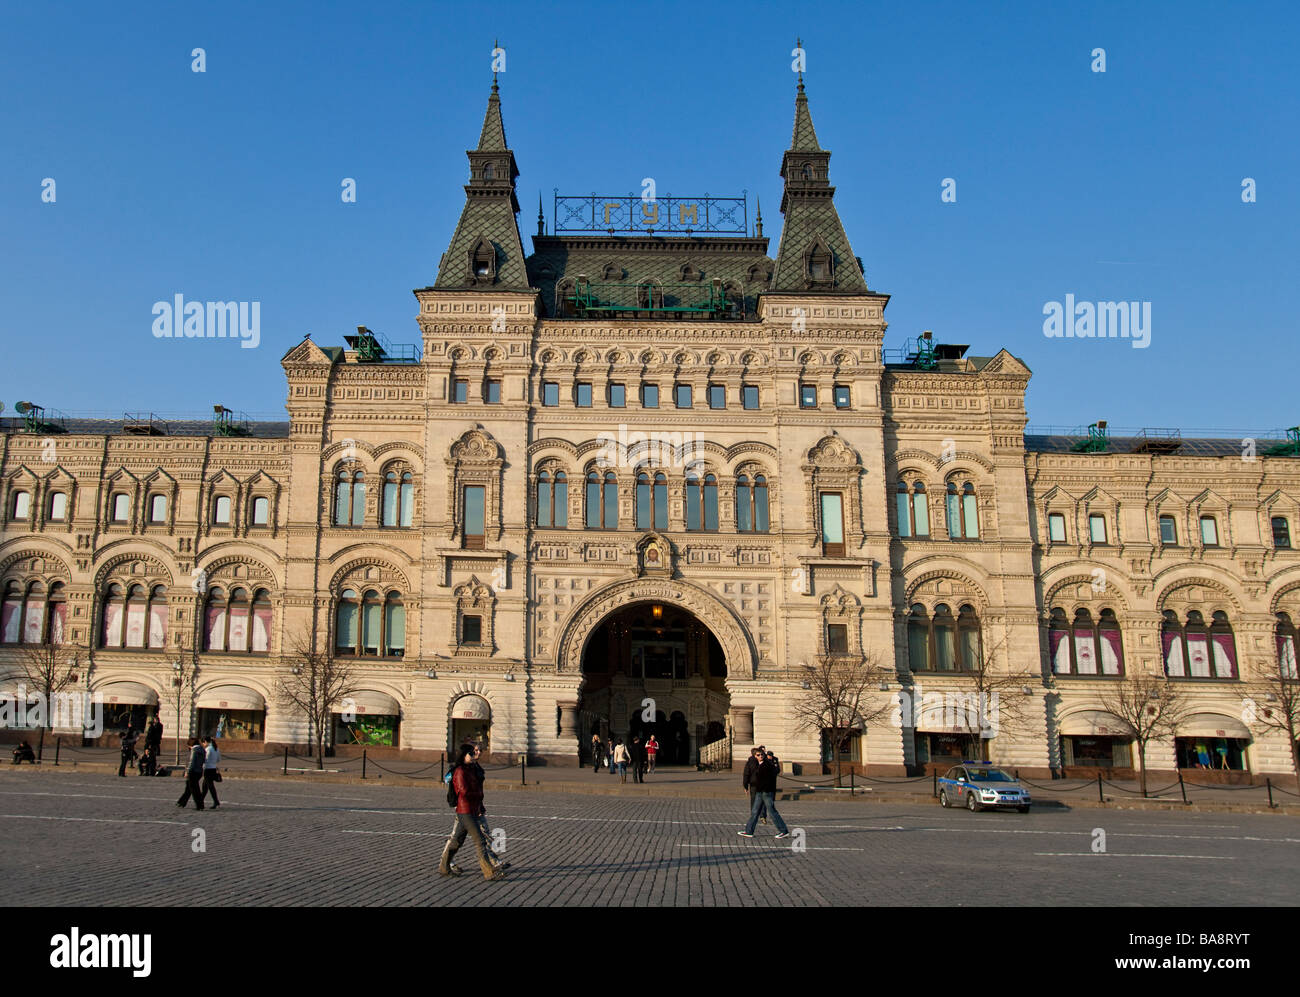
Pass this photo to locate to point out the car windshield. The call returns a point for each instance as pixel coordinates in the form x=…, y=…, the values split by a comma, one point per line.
x=989, y=775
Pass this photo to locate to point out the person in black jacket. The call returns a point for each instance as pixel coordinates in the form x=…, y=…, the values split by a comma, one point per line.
x=129, y=738
x=638, y=760
x=764, y=782
x=748, y=777
x=192, y=776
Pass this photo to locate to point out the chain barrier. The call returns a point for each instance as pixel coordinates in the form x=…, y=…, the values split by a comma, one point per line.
x=1060, y=789
x=405, y=775
x=893, y=782
x=1138, y=792
x=1279, y=789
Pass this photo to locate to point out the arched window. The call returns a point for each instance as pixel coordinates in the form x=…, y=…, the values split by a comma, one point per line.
x=702, y=502
x=22, y=505
x=350, y=498
x=552, y=500
x=942, y=643
x=346, y=627
x=1286, y=634
x=394, y=625
x=602, y=501
x=30, y=615
x=1087, y=646
x=963, y=518
x=261, y=511
x=744, y=507
x=221, y=511
x=56, y=615
x=651, y=501
x=371, y=622
x=158, y=508
x=1194, y=650
x=913, y=510
x=399, y=498
x=136, y=618
x=58, y=506
x=237, y=624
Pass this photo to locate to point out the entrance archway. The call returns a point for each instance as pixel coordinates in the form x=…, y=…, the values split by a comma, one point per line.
x=654, y=668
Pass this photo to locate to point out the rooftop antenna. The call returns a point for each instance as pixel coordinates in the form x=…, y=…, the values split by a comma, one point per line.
x=798, y=43
x=495, y=45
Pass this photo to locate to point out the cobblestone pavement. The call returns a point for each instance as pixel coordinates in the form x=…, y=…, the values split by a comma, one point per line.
x=80, y=839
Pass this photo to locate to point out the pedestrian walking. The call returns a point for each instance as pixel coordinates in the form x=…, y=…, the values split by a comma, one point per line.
x=467, y=786
x=765, y=797
x=747, y=778
x=621, y=759
x=638, y=760
x=211, y=773
x=129, y=737
x=651, y=749
x=609, y=751
x=597, y=748
x=193, y=773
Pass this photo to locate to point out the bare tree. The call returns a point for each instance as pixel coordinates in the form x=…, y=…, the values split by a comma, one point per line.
x=839, y=699
x=1151, y=706
x=316, y=682
x=47, y=669
x=993, y=700
x=1274, y=704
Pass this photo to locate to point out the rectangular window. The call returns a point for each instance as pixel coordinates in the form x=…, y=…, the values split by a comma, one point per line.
x=749, y=396
x=832, y=524
x=842, y=398
x=837, y=639
x=682, y=395
x=904, y=514
x=1097, y=529
x=1209, y=531
x=59, y=508
x=617, y=396
x=1281, y=533
x=717, y=396
x=221, y=514
x=649, y=396
x=157, y=509
x=471, y=630
x=261, y=511
x=807, y=396
x=492, y=392
x=582, y=397
x=121, y=508
x=1168, y=531
x=460, y=392
x=474, y=517
x=551, y=394
x=1056, y=527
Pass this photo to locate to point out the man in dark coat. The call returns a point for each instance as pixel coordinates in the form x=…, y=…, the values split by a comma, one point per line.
x=129, y=738
x=750, y=774
x=638, y=759
x=193, y=773
x=765, y=796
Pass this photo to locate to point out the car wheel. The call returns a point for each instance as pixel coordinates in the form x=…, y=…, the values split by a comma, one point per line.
x=972, y=804
x=943, y=798
x=1023, y=810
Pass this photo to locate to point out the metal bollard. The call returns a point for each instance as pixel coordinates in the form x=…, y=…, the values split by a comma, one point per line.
x=523, y=770
x=851, y=783
x=363, y=763
x=58, y=742
x=1181, y=788
x=442, y=767
x=1101, y=798
x=935, y=790
x=1269, y=784
x=286, y=759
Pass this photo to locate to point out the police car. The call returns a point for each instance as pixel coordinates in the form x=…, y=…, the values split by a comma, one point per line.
x=977, y=785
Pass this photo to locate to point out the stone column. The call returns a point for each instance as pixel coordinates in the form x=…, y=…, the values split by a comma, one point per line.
x=742, y=725
x=569, y=719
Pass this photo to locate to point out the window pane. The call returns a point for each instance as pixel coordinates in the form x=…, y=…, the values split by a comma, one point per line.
x=749, y=396
x=390, y=503
x=617, y=396
x=1085, y=652
x=650, y=395
x=904, y=514
x=474, y=510
x=341, y=494
x=921, y=507
x=460, y=392
x=121, y=508
x=239, y=626
x=22, y=505
x=492, y=393
x=1058, y=649
x=1097, y=529
x=717, y=396
x=742, y=508
x=358, y=503
x=970, y=649
x=584, y=395
x=472, y=630
x=642, y=503
x=1056, y=527
x=261, y=628
x=841, y=396
x=1173, y=651
x=58, y=619
x=1225, y=656
x=157, y=509
x=550, y=393
x=710, y=504
x=261, y=511
x=561, y=501
x=1168, y=532
x=693, y=505
x=760, y=505
x=683, y=395
x=395, y=633
x=222, y=513
x=370, y=627
x=59, y=507
x=407, y=503
x=346, y=636
x=954, y=514
x=1198, y=655
x=918, y=646
x=34, y=620
x=1112, y=652
x=611, y=505
x=808, y=395
x=945, y=645
x=544, y=503
x=661, y=503
x=1209, y=531
x=972, y=521
x=1281, y=533
x=135, y=623
x=112, y=625
x=593, y=504
x=832, y=520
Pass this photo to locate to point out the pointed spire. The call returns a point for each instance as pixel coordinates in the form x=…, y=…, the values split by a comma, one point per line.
x=493, y=136
x=758, y=222
x=541, y=218
x=804, y=138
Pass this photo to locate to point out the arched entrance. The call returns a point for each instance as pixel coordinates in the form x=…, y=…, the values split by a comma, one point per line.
x=471, y=722
x=653, y=667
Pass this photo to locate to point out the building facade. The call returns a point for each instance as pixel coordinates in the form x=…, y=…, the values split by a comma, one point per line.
x=643, y=481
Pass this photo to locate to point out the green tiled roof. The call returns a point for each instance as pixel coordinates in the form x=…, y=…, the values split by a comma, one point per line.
x=804, y=138
x=493, y=136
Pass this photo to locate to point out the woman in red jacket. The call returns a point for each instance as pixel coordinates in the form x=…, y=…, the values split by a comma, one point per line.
x=468, y=785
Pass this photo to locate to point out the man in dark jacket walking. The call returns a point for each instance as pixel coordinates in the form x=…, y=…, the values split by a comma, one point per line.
x=748, y=777
x=765, y=796
x=193, y=773
x=638, y=760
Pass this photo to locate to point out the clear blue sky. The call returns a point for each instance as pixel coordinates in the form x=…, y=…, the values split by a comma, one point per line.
x=225, y=185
